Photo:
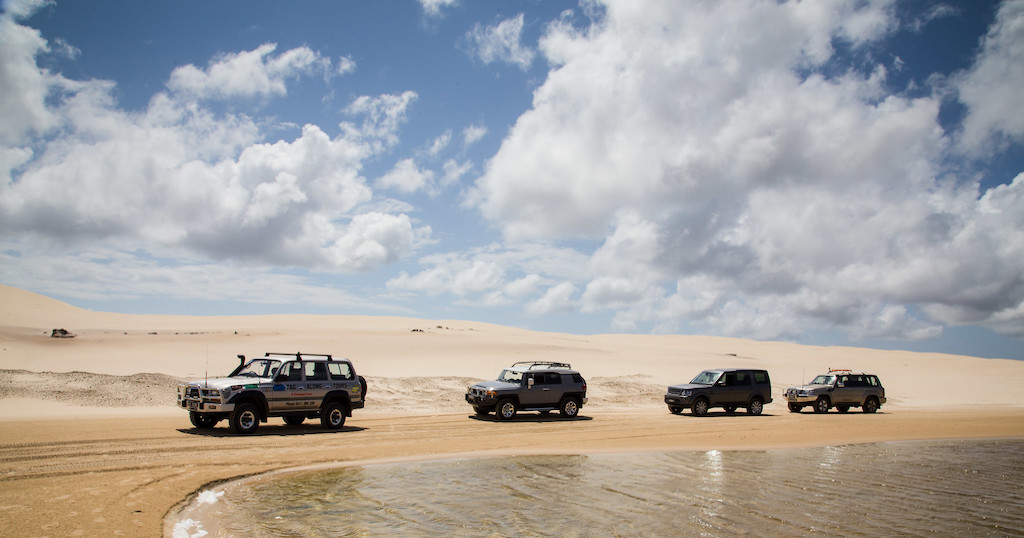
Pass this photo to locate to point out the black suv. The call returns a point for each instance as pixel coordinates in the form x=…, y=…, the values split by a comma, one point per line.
x=728, y=388
x=530, y=386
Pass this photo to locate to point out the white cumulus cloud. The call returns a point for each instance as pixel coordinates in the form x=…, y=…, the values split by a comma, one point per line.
x=736, y=182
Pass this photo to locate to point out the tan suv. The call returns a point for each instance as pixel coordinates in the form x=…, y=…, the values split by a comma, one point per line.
x=295, y=386
x=841, y=389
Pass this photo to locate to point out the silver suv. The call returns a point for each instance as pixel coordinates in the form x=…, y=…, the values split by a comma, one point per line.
x=841, y=389
x=530, y=386
x=296, y=386
x=728, y=388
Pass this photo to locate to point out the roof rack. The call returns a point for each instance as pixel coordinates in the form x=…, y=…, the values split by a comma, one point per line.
x=830, y=370
x=542, y=364
x=298, y=355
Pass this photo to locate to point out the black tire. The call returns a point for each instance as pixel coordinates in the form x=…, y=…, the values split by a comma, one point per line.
x=842, y=408
x=245, y=419
x=569, y=408
x=293, y=420
x=362, y=385
x=700, y=407
x=794, y=408
x=871, y=405
x=730, y=409
x=755, y=407
x=506, y=409
x=821, y=405
x=332, y=417
x=202, y=421
x=481, y=411
x=675, y=410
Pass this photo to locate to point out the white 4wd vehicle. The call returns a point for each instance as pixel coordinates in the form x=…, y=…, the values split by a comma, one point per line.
x=841, y=389
x=296, y=387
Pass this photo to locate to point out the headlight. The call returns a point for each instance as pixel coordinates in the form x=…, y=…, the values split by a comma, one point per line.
x=212, y=393
x=687, y=392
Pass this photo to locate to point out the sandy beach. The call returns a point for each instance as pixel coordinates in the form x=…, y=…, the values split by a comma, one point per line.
x=90, y=443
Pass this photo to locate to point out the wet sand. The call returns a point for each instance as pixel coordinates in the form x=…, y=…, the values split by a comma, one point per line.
x=122, y=475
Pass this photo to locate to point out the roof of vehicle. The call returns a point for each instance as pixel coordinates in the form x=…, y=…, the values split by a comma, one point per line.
x=523, y=366
x=832, y=371
x=735, y=370
x=299, y=356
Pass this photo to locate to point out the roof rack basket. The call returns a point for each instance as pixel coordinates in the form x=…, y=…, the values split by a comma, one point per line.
x=298, y=355
x=542, y=364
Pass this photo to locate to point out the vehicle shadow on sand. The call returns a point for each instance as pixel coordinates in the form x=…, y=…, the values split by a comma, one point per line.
x=280, y=430
x=532, y=417
x=716, y=414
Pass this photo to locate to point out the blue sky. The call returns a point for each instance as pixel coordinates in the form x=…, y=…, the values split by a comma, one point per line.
x=834, y=173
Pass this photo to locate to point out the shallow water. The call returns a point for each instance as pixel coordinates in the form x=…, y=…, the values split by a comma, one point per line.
x=944, y=488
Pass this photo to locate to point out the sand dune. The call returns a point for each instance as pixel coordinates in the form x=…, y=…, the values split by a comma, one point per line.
x=432, y=351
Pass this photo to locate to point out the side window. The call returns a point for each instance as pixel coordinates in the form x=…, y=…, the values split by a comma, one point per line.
x=742, y=379
x=760, y=378
x=577, y=378
x=290, y=371
x=730, y=379
x=315, y=371
x=339, y=370
x=554, y=378
x=843, y=381
x=873, y=381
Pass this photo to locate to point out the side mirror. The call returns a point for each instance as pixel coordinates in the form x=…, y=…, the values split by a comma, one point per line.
x=529, y=383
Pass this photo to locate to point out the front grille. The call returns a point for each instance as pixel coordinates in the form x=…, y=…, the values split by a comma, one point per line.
x=192, y=392
x=677, y=392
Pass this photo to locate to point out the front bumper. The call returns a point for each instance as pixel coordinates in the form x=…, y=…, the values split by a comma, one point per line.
x=676, y=400
x=481, y=400
x=200, y=406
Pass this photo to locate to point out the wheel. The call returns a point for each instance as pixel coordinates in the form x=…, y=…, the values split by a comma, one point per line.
x=794, y=408
x=481, y=411
x=675, y=410
x=570, y=408
x=821, y=405
x=333, y=416
x=362, y=385
x=871, y=405
x=842, y=408
x=700, y=407
x=245, y=418
x=730, y=409
x=506, y=409
x=293, y=420
x=755, y=407
x=200, y=420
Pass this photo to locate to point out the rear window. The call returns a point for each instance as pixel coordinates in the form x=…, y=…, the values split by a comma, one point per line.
x=340, y=370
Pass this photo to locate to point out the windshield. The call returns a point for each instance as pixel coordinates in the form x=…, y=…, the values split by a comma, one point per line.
x=511, y=376
x=824, y=380
x=706, y=377
x=259, y=368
